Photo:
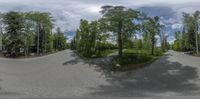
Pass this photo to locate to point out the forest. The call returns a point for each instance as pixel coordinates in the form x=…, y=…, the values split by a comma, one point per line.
x=118, y=30
x=187, y=40
x=26, y=33
x=132, y=36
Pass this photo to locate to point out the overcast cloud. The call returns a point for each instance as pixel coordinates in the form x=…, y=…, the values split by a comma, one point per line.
x=69, y=12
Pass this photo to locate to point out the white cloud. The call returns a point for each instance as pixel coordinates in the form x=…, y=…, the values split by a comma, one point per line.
x=69, y=12
x=177, y=26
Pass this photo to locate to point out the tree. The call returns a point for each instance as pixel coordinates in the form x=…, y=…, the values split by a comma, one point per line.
x=188, y=21
x=86, y=37
x=177, y=42
x=59, y=40
x=28, y=37
x=189, y=39
x=152, y=28
x=94, y=30
x=29, y=32
x=89, y=38
x=42, y=24
x=163, y=39
x=14, y=22
x=196, y=16
x=117, y=18
x=1, y=31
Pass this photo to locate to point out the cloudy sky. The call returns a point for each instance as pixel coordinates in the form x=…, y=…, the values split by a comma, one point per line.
x=69, y=12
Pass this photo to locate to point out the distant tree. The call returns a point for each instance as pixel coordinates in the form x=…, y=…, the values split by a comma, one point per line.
x=163, y=39
x=177, y=42
x=60, y=40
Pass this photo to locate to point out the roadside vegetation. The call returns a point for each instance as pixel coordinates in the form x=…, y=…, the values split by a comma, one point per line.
x=134, y=59
x=132, y=34
x=127, y=35
x=30, y=33
x=187, y=40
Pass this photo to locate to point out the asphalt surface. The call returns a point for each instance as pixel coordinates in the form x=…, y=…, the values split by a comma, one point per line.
x=65, y=76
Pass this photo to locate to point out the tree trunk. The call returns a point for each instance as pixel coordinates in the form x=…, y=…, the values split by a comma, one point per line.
x=197, y=45
x=120, y=48
x=153, y=44
x=38, y=40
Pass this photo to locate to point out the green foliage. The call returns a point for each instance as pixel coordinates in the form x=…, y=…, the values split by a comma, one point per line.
x=29, y=32
x=176, y=45
x=14, y=22
x=151, y=28
x=91, y=38
x=188, y=39
x=59, y=40
x=102, y=46
x=158, y=52
x=85, y=40
x=132, y=59
x=120, y=21
x=104, y=53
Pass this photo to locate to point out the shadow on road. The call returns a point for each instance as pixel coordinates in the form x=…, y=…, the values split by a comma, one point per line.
x=101, y=64
x=74, y=61
x=160, y=77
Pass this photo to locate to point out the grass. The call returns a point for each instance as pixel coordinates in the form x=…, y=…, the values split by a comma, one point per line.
x=29, y=55
x=98, y=54
x=104, y=53
x=134, y=59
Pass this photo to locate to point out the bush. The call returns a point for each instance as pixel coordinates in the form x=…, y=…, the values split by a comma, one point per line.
x=158, y=52
x=104, y=53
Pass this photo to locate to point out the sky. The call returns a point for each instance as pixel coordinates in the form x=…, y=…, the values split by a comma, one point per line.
x=69, y=12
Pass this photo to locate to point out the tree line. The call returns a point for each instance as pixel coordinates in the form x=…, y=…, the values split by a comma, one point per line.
x=188, y=38
x=123, y=24
x=24, y=33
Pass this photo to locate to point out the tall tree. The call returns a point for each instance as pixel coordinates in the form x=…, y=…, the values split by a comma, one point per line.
x=163, y=40
x=188, y=21
x=196, y=16
x=86, y=38
x=1, y=31
x=43, y=29
x=116, y=18
x=60, y=40
x=152, y=28
x=14, y=22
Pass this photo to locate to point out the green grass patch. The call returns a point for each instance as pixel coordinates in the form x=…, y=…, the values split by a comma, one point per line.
x=104, y=53
x=133, y=59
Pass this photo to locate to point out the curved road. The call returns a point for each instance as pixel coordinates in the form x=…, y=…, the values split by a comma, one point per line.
x=64, y=76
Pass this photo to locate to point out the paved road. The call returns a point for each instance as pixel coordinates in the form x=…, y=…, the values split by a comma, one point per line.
x=64, y=76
